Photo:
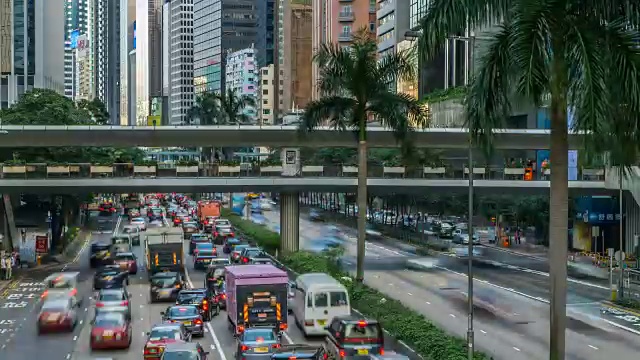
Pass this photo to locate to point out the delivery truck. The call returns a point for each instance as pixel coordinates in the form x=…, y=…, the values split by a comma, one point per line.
x=164, y=250
x=256, y=296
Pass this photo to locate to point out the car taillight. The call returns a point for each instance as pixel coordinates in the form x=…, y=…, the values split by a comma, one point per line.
x=177, y=286
x=245, y=260
x=232, y=235
x=224, y=296
x=124, y=303
x=276, y=346
x=99, y=305
x=244, y=348
x=283, y=326
x=381, y=351
x=342, y=353
x=206, y=223
x=198, y=322
x=215, y=233
x=325, y=356
x=205, y=305
x=240, y=328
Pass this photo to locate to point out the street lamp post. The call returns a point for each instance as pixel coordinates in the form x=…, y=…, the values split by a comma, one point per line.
x=470, y=59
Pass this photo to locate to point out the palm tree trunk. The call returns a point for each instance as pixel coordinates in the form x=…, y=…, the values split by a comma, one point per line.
x=558, y=231
x=362, y=206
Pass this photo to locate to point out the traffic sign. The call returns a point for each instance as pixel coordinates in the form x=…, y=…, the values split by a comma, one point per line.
x=620, y=256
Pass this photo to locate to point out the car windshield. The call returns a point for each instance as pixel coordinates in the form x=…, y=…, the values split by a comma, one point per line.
x=259, y=335
x=223, y=223
x=204, y=246
x=190, y=297
x=179, y=311
x=128, y=230
x=205, y=253
x=180, y=355
x=218, y=272
x=163, y=282
x=109, y=320
x=124, y=256
x=255, y=253
x=138, y=220
x=164, y=334
x=109, y=273
x=55, y=306
x=362, y=331
x=110, y=296
x=240, y=247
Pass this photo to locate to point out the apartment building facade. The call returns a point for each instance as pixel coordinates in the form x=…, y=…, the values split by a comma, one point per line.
x=242, y=75
x=393, y=18
x=179, y=52
x=266, y=95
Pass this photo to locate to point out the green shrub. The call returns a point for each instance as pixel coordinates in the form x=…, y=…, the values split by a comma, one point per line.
x=403, y=323
x=628, y=303
x=268, y=240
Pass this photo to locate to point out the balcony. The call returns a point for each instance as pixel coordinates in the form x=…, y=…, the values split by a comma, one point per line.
x=344, y=37
x=345, y=16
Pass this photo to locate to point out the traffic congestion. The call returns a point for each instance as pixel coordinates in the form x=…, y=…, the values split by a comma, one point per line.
x=176, y=281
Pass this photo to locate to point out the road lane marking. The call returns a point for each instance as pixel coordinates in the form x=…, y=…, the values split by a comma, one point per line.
x=428, y=303
x=593, y=347
x=216, y=341
x=410, y=294
x=75, y=338
x=516, y=349
x=482, y=331
x=452, y=315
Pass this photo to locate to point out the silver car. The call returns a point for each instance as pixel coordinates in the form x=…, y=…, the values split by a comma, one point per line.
x=257, y=343
x=114, y=300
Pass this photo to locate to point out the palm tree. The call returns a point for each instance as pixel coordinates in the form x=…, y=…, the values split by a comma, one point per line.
x=206, y=109
x=355, y=86
x=576, y=56
x=232, y=107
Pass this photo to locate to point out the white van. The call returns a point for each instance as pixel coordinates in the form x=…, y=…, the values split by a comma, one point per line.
x=317, y=298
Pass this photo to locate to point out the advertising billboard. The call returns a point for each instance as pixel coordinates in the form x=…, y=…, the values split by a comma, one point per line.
x=73, y=38
x=134, y=35
x=83, y=46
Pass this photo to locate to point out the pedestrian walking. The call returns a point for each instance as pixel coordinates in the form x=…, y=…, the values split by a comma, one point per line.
x=8, y=266
x=3, y=268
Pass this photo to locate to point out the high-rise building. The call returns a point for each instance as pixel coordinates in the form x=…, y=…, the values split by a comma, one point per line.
x=31, y=47
x=76, y=21
x=180, y=60
x=84, y=64
x=127, y=44
x=229, y=25
x=147, y=30
x=297, y=54
x=393, y=22
x=265, y=95
x=241, y=75
x=107, y=55
x=335, y=21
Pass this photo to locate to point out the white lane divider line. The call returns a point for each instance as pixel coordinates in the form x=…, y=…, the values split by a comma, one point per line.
x=428, y=303
x=68, y=356
x=410, y=294
x=216, y=341
x=593, y=347
x=75, y=338
x=516, y=349
x=81, y=321
x=482, y=331
x=452, y=315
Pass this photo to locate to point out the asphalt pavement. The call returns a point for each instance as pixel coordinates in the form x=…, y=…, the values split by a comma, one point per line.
x=510, y=300
x=218, y=338
x=19, y=307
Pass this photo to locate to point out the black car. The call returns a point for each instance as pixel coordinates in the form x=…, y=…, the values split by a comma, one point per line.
x=254, y=255
x=165, y=286
x=215, y=270
x=110, y=277
x=198, y=297
x=229, y=244
x=221, y=232
x=197, y=239
x=99, y=255
x=298, y=351
x=346, y=330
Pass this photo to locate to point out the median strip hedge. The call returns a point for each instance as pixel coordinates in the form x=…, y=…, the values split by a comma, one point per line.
x=403, y=323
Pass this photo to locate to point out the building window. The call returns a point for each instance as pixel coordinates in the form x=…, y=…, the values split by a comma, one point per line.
x=265, y=92
x=266, y=112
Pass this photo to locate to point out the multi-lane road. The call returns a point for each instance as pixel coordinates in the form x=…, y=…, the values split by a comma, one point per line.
x=511, y=300
x=218, y=338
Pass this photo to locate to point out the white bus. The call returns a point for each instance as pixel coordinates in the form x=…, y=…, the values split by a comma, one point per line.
x=317, y=299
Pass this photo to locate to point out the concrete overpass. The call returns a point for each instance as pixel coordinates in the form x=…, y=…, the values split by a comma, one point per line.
x=252, y=135
x=287, y=185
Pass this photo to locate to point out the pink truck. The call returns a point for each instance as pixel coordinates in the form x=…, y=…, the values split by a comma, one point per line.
x=256, y=296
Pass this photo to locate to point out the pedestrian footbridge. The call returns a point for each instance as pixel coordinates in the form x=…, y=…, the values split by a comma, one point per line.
x=123, y=178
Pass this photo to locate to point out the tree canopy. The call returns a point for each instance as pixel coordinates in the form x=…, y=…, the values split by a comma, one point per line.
x=46, y=107
x=222, y=108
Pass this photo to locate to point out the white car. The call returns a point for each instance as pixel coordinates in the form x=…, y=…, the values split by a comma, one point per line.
x=139, y=222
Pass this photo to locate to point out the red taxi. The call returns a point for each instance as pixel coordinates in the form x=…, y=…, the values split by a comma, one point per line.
x=57, y=314
x=110, y=330
x=161, y=335
x=127, y=261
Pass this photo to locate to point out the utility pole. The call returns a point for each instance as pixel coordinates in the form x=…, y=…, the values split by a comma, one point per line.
x=276, y=62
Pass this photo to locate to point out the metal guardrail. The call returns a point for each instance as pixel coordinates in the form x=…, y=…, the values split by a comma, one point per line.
x=128, y=170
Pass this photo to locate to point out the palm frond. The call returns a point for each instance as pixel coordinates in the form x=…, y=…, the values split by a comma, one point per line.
x=447, y=17
x=487, y=102
x=335, y=109
x=400, y=65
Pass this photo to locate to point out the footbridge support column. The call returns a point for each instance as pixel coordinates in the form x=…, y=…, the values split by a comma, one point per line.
x=8, y=221
x=289, y=222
